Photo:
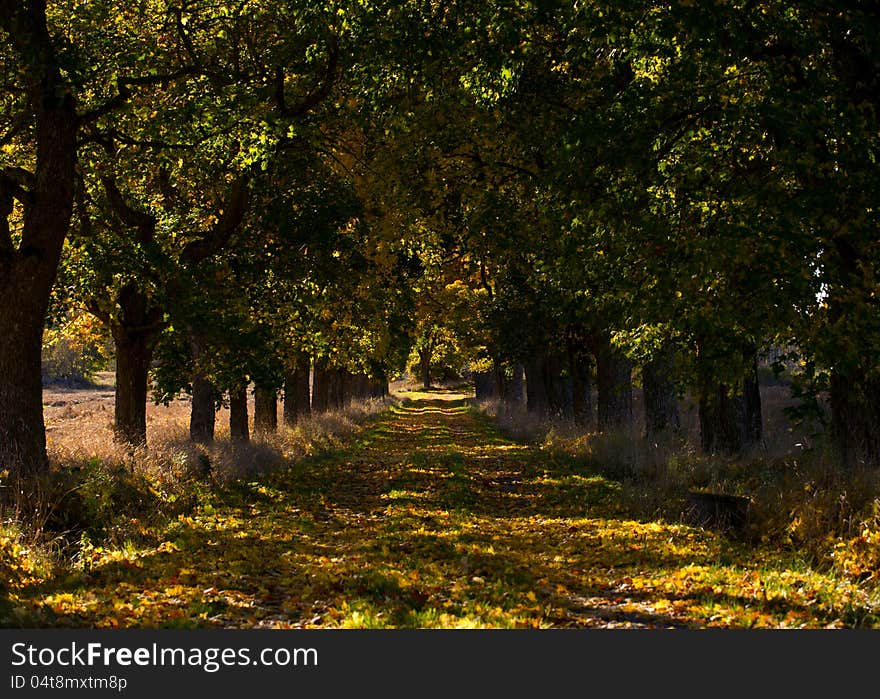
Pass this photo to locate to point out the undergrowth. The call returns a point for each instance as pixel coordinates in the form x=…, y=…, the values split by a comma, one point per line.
x=802, y=502
x=100, y=494
x=429, y=517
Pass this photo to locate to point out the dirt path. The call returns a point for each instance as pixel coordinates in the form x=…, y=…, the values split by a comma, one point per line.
x=431, y=519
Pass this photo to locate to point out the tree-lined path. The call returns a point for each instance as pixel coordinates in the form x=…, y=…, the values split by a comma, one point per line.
x=432, y=518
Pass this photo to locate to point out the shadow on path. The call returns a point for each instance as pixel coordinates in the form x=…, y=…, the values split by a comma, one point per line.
x=431, y=518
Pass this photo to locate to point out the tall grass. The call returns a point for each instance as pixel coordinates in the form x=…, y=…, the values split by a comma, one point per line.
x=800, y=497
x=101, y=491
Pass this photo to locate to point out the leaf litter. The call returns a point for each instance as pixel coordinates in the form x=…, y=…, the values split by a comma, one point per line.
x=429, y=519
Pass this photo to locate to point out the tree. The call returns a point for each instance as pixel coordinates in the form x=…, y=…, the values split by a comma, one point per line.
x=36, y=193
x=57, y=89
x=199, y=148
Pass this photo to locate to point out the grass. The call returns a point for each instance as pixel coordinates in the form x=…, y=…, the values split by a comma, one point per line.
x=428, y=516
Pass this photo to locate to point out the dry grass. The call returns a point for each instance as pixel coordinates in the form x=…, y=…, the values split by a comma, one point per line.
x=103, y=495
x=79, y=428
x=107, y=491
x=801, y=499
x=430, y=518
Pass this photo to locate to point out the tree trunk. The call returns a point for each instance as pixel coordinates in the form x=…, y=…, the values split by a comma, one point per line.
x=536, y=390
x=202, y=417
x=582, y=394
x=378, y=388
x=660, y=398
x=238, y=414
x=730, y=421
x=345, y=388
x=720, y=426
x=135, y=330
x=752, y=418
x=515, y=392
x=321, y=388
x=334, y=388
x=614, y=379
x=265, y=410
x=855, y=385
x=425, y=367
x=363, y=386
x=134, y=351
x=484, y=385
x=22, y=430
x=500, y=384
x=558, y=386
x=855, y=418
x=296, y=391
x=28, y=266
x=358, y=382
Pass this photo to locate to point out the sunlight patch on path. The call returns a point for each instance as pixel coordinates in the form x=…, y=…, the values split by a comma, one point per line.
x=433, y=519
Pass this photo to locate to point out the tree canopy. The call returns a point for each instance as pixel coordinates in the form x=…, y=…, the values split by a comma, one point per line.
x=569, y=190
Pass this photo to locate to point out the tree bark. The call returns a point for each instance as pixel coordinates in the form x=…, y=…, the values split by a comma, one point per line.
x=334, y=378
x=425, y=367
x=855, y=417
x=22, y=430
x=536, y=389
x=28, y=269
x=363, y=386
x=484, y=385
x=265, y=410
x=614, y=379
x=135, y=333
x=581, y=388
x=133, y=354
x=730, y=420
x=378, y=388
x=321, y=388
x=238, y=414
x=202, y=417
x=720, y=427
x=515, y=389
x=135, y=329
x=346, y=382
x=297, y=401
x=558, y=386
x=660, y=398
x=580, y=362
x=752, y=418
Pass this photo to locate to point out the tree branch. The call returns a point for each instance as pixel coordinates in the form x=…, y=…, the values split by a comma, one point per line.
x=18, y=176
x=124, y=90
x=82, y=206
x=184, y=37
x=99, y=313
x=91, y=134
x=11, y=180
x=18, y=182
x=170, y=195
x=143, y=222
x=18, y=125
x=6, y=205
x=210, y=243
x=319, y=91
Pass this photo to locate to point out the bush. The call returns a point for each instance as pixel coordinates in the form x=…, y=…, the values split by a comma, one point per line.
x=75, y=351
x=112, y=502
